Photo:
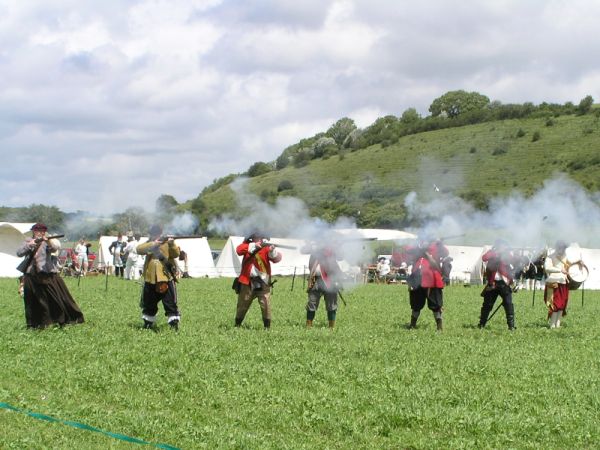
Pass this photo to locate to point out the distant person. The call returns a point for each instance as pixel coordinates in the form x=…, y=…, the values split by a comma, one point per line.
x=139, y=262
x=324, y=280
x=182, y=263
x=81, y=252
x=254, y=280
x=556, y=293
x=159, y=278
x=47, y=299
x=383, y=269
x=117, y=250
x=130, y=263
x=499, y=273
x=425, y=283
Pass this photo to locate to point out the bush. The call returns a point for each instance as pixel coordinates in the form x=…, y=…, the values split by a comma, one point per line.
x=499, y=151
x=473, y=150
x=549, y=123
x=285, y=185
x=520, y=133
x=536, y=136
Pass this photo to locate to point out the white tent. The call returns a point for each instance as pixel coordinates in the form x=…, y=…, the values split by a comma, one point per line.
x=200, y=260
x=229, y=264
x=12, y=236
x=466, y=263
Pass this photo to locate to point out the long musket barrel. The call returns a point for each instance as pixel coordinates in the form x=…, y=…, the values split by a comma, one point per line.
x=175, y=237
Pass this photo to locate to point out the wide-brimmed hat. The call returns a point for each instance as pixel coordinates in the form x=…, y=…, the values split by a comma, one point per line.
x=39, y=227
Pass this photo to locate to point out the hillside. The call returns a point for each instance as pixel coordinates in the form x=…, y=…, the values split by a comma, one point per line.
x=474, y=162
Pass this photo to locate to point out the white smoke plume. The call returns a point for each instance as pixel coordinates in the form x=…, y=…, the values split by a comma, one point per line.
x=183, y=224
x=560, y=209
x=289, y=218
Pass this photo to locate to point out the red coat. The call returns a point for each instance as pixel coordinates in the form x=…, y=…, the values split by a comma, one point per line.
x=261, y=260
x=498, y=263
x=431, y=275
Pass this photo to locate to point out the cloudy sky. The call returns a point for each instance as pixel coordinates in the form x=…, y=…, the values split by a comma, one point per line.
x=106, y=105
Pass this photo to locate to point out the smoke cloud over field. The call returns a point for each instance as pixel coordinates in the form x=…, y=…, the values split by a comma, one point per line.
x=561, y=209
x=288, y=218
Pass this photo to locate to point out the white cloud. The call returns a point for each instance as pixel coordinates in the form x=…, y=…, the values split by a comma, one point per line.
x=151, y=97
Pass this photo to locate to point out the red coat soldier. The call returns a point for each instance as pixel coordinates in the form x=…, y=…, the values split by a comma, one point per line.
x=499, y=277
x=425, y=281
x=255, y=277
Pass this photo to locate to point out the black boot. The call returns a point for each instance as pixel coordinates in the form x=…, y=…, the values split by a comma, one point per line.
x=267, y=323
x=438, y=323
x=148, y=324
x=238, y=322
x=174, y=324
x=413, y=322
x=510, y=321
x=483, y=317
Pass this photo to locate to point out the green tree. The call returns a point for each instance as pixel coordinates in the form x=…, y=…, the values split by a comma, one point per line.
x=50, y=215
x=259, y=168
x=585, y=105
x=455, y=103
x=341, y=129
x=410, y=116
x=132, y=219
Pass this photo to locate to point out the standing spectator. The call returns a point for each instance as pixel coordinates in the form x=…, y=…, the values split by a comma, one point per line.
x=81, y=250
x=383, y=269
x=47, y=299
x=556, y=293
x=182, y=263
x=130, y=263
x=499, y=272
x=425, y=281
x=325, y=280
x=159, y=278
x=255, y=277
x=117, y=250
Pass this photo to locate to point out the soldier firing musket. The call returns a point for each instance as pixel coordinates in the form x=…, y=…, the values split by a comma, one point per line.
x=47, y=299
x=325, y=280
x=159, y=278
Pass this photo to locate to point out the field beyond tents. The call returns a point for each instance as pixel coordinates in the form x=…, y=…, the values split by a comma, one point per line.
x=371, y=383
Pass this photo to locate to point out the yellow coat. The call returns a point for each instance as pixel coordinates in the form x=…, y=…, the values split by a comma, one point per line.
x=156, y=270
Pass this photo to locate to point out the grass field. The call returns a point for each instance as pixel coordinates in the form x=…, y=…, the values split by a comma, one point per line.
x=371, y=383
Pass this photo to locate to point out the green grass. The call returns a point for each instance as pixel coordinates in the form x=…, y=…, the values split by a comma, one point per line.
x=371, y=383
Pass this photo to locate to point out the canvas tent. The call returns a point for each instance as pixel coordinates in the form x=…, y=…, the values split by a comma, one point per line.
x=466, y=263
x=12, y=236
x=200, y=261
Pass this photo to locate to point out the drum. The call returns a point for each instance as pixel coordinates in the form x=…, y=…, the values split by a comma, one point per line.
x=576, y=275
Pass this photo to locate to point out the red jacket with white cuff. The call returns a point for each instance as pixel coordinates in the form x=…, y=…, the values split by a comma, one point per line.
x=256, y=261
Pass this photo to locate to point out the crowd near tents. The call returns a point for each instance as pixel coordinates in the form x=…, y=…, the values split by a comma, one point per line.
x=466, y=260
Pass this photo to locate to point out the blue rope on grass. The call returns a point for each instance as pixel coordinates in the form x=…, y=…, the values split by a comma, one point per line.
x=84, y=427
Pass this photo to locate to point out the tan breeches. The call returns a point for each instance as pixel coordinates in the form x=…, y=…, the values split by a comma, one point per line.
x=247, y=296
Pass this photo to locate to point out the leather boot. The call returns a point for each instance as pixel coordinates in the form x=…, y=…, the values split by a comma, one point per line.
x=267, y=323
x=309, y=323
x=438, y=323
x=238, y=322
x=147, y=324
x=331, y=323
x=174, y=324
x=413, y=322
x=510, y=321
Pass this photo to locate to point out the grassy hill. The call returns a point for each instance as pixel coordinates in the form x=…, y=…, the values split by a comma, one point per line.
x=474, y=162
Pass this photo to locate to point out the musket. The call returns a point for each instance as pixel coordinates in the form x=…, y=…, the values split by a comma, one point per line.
x=166, y=237
x=453, y=236
x=342, y=297
x=275, y=244
x=24, y=265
